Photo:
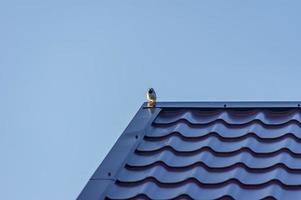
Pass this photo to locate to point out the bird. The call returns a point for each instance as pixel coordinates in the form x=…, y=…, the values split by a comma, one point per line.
x=151, y=97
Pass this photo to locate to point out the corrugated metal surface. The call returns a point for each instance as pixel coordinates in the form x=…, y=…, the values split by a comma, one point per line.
x=197, y=153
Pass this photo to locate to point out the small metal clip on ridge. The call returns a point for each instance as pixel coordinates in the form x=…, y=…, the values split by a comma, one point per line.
x=151, y=97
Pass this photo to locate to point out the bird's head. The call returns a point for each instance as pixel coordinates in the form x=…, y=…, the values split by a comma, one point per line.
x=150, y=90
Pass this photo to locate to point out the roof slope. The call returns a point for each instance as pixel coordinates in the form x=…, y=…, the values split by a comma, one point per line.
x=205, y=151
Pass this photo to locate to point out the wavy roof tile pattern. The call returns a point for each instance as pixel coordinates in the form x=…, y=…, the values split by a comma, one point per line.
x=205, y=152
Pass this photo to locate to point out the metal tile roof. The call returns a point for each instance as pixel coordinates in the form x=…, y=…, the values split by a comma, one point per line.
x=209, y=150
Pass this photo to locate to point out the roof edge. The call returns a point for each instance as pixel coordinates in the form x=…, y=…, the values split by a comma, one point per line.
x=228, y=104
x=127, y=142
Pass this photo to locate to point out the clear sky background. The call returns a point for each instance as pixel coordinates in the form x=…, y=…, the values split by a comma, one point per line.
x=74, y=73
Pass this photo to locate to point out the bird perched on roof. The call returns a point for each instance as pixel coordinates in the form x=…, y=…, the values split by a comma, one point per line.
x=151, y=97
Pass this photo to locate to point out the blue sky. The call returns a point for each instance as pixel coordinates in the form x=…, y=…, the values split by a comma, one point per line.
x=73, y=74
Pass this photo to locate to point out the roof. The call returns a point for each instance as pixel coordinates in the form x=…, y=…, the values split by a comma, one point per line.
x=204, y=150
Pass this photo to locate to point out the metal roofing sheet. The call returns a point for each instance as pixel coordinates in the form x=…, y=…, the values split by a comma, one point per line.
x=187, y=151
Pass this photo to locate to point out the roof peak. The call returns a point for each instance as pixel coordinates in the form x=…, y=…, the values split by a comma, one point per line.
x=227, y=104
